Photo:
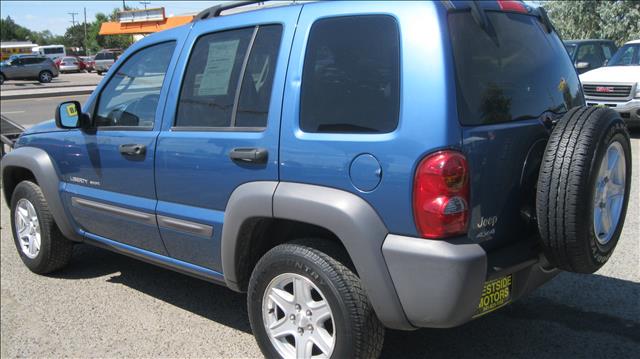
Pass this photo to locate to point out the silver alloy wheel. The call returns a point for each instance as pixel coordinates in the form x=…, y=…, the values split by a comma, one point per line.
x=27, y=228
x=298, y=318
x=45, y=77
x=609, y=193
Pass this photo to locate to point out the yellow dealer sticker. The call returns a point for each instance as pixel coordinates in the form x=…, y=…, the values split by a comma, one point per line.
x=495, y=294
x=71, y=110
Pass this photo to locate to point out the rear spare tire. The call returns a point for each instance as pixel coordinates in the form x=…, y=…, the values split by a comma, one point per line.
x=583, y=188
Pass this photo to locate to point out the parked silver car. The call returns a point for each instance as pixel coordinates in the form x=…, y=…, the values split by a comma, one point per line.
x=28, y=68
x=70, y=64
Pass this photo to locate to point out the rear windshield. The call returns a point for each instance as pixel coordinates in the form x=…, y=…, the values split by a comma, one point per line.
x=105, y=56
x=518, y=72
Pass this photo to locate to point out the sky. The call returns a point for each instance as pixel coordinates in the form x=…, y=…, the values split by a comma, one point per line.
x=54, y=15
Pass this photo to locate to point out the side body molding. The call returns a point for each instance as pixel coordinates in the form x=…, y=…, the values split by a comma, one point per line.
x=40, y=164
x=361, y=231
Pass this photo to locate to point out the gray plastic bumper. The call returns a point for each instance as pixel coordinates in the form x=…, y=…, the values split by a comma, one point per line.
x=439, y=282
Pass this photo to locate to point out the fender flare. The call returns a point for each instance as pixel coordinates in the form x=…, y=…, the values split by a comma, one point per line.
x=348, y=216
x=44, y=170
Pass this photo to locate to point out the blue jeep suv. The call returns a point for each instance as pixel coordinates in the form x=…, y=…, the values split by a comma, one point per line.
x=350, y=165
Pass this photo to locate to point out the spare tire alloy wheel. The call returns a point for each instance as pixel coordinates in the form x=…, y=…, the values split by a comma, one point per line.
x=583, y=189
x=609, y=193
x=297, y=317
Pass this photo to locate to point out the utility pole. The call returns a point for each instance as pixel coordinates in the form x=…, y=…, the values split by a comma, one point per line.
x=145, y=3
x=73, y=17
x=85, y=32
x=124, y=6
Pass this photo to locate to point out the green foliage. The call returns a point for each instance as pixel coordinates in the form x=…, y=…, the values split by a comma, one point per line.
x=617, y=20
x=10, y=31
x=73, y=37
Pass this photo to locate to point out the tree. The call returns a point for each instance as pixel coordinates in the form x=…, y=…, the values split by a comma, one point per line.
x=617, y=20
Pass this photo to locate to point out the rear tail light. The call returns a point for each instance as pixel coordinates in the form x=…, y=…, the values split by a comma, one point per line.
x=441, y=195
x=509, y=5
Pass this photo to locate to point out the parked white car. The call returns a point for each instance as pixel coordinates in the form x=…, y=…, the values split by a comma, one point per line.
x=617, y=85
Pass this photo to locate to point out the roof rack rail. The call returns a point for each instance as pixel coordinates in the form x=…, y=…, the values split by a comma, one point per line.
x=216, y=10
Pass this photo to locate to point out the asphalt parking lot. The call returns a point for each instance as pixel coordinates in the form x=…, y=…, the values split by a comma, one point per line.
x=107, y=305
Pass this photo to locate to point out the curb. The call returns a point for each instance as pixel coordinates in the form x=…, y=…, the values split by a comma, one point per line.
x=45, y=94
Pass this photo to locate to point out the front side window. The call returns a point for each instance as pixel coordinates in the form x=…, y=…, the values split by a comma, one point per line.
x=131, y=96
x=351, y=76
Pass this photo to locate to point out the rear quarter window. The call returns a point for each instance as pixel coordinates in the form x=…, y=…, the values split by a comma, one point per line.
x=351, y=76
x=518, y=72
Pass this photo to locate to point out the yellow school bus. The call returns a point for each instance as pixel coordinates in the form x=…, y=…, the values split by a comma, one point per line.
x=8, y=49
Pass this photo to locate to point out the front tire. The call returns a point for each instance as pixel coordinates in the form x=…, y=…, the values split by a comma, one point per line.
x=302, y=302
x=1, y=79
x=40, y=244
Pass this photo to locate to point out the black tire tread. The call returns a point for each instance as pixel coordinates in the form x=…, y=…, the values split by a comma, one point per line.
x=368, y=332
x=563, y=180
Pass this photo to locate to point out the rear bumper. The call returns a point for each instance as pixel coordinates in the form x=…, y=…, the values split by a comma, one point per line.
x=629, y=110
x=439, y=283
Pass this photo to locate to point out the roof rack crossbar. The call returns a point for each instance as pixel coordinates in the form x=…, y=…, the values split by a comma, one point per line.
x=216, y=10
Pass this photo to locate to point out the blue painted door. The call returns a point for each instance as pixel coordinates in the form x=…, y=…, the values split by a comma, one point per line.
x=109, y=168
x=223, y=107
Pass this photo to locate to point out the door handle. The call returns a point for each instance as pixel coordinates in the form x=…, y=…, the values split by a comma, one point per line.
x=249, y=155
x=133, y=150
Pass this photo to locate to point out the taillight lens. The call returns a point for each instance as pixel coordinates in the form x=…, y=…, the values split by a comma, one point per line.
x=441, y=195
x=510, y=5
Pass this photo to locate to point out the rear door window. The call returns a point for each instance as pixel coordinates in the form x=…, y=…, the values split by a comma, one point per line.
x=209, y=86
x=229, y=79
x=518, y=72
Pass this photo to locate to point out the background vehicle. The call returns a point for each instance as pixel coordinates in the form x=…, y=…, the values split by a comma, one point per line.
x=293, y=160
x=105, y=59
x=590, y=54
x=51, y=51
x=617, y=85
x=88, y=62
x=70, y=64
x=7, y=49
x=28, y=67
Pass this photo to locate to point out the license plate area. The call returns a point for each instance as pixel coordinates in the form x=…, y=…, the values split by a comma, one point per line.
x=495, y=294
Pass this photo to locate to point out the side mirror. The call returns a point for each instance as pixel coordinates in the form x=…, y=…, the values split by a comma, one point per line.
x=582, y=65
x=69, y=115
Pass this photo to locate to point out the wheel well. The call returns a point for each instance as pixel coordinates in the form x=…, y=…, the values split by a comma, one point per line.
x=258, y=235
x=10, y=179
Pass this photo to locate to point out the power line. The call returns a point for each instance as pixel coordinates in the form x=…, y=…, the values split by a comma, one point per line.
x=73, y=17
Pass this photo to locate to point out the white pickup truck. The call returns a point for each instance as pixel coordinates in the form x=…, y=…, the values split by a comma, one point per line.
x=617, y=85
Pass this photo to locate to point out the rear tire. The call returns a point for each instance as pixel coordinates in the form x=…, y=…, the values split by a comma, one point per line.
x=31, y=210
x=354, y=327
x=45, y=76
x=577, y=185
